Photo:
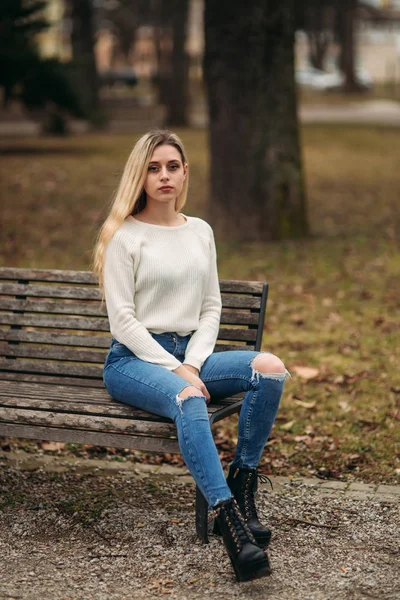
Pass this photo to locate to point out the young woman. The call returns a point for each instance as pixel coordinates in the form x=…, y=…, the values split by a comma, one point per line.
x=158, y=270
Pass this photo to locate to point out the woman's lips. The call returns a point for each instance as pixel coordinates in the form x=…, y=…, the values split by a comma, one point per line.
x=165, y=188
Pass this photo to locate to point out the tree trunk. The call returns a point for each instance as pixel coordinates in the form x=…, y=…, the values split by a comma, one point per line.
x=82, y=42
x=179, y=97
x=173, y=74
x=256, y=177
x=319, y=43
x=346, y=25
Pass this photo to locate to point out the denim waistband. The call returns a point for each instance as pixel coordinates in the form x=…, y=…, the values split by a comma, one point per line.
x=171, y=335
x=172, y=342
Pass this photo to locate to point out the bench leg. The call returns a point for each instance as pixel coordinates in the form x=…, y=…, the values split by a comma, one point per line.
x=201, y=516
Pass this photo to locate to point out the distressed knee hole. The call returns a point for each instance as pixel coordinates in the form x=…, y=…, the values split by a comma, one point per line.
x=187, y=392
x=268, y=365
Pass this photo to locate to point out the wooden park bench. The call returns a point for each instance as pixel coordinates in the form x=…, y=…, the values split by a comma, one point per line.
x=54, y=337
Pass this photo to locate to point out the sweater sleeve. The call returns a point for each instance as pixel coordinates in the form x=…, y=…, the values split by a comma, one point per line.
x=202, y=342
x=119, y=288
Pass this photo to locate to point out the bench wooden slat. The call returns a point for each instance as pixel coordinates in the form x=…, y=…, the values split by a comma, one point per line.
x=79, y=292
x=78, y=406
x=60, y=353
x=50, y=275
x=241, y=287
x=57, y=368
x=44, y=390
x=97, y=438
x=87, y=310
x=252, y=302
x=81, y=341
x=50, y=291
x=233, y=334
x=84, y=324
x=49, y=352
x=87, y=278
x=55, y=322
x=228, y=347
x=43, y=306
x=93, y=307
x=40, y=378
x=59, y=339
x=83, y=407
x=83, y=421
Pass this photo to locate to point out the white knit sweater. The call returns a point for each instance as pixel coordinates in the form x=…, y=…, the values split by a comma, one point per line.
x=159, y=278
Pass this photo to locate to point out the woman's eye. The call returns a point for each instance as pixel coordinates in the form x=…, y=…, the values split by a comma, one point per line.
x=174, y=167
x=153, y=169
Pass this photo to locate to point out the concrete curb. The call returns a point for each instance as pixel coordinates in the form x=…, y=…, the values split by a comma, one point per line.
x=375, y=492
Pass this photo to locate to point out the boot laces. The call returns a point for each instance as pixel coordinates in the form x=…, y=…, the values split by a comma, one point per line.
x=249, y=503
x=237, y=524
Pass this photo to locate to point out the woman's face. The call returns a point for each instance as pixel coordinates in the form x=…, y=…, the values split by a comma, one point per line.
x=165, y=176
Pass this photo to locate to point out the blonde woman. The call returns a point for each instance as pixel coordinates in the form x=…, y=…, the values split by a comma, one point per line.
x=158, y=271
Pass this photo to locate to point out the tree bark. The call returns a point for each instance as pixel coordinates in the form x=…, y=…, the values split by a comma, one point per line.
x=318, y=24
x=319, y=43
x=346, y=17
x=179, y=97
x=257, y=187
x=173, y=65
x=82, y=42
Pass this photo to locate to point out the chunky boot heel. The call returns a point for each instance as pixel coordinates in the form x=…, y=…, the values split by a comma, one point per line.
x=249, y=561
x=243, y=484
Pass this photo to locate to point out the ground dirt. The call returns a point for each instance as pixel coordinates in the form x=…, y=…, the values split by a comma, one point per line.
x=76, y=535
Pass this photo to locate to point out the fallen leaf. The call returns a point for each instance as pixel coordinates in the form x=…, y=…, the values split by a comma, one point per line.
x=53, y=445
x=297, y=319
x=303, y=438
x=306, y=372
x=288, y=426
x=344, y=405
x=304, y=404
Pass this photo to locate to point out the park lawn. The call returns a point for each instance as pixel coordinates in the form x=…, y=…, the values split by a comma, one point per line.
x=334, y=298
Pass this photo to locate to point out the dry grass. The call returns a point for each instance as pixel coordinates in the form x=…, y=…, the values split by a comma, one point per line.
x=334, y=300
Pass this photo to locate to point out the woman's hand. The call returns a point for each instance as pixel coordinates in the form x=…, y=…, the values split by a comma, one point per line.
x=191, y=375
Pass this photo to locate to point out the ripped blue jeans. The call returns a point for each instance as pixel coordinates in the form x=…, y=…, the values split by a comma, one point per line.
x=155, y=389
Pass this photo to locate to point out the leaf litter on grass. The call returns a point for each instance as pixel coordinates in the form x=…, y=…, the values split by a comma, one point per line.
x=334, y=298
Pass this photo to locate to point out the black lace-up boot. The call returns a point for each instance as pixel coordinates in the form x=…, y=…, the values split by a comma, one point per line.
x=249, y=561
x=243, y=484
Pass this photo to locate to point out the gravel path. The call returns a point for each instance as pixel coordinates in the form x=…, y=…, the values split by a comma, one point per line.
x=97, y=536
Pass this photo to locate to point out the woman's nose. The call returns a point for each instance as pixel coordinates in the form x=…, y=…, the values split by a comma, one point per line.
x=164, y=173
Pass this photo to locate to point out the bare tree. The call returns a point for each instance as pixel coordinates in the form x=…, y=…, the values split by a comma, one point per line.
x=170, y=21
x=318, y=23
x=346, y=19
x=123, y=17
x=256, y=174
x=82, y=42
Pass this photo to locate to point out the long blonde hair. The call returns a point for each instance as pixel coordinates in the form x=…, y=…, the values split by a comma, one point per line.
x=130, y=197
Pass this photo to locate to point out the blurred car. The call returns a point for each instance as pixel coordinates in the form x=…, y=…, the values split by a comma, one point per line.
x=321, y=80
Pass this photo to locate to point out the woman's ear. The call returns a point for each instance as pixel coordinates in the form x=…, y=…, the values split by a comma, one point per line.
x=185, y=170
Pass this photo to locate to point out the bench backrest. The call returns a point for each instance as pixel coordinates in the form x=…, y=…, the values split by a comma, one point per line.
x=54, y=327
